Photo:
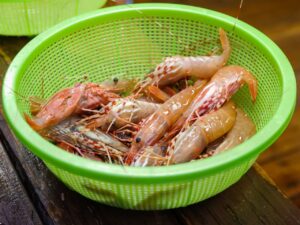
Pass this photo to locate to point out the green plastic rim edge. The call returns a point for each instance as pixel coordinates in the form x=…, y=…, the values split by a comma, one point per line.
x=175, y=173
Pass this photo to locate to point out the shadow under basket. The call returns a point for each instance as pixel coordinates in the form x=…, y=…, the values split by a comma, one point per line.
x=127, y=42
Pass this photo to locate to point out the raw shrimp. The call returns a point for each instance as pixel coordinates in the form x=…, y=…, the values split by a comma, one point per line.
x=80, y=135
x=58, y=108
x=179, y=67
x=163, y=118
x=121, y=112
x=188, y=144
x=85, y=141
x=69, y=101
x=242, y=130
x=220, y=89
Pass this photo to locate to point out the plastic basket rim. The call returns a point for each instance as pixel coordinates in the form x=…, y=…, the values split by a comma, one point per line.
x=125, y=174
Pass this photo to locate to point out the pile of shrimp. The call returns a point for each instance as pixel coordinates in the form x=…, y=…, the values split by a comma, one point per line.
x=181, y=111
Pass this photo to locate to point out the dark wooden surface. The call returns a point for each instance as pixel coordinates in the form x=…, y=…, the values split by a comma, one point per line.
x=30, y=194
x=13, y=197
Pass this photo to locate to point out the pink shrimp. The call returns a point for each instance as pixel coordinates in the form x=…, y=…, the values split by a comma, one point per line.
x=220, y=89
x=189, y=143
x=163, y=118
x=179, y=67
x=67, y=102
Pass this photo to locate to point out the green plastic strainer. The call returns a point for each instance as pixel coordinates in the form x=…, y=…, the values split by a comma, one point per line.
x=30, y=17
x=127, y=41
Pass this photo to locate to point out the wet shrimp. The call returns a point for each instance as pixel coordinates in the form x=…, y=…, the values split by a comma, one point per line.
x=242, y=130
x=163, y=118
x=70, y=101
x=188, y=144
x=85, y=141
x=226, y=82
x=121, y=112
x=176, y=68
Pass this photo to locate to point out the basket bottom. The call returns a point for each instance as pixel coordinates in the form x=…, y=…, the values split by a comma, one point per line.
x=152, y=196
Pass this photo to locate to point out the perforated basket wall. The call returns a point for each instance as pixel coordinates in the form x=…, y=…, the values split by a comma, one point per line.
x=30, y=17
x=152, y=196
x=128, y=42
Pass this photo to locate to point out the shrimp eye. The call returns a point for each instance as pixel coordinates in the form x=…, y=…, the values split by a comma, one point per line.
x=115, y=80
x=163, y=148
x=138, y=139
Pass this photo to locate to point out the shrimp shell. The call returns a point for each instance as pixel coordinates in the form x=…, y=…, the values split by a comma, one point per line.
x=70, y=101
x=82, y=137
x=179, y=67
x=123, y=111
x=226, y=82
x=242, y=130
x=59, y=107
x=159, y=122
x=188, y=144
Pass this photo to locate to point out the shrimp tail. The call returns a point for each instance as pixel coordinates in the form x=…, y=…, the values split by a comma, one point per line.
x=33, y=123
x=251, y=81
x=225, y=45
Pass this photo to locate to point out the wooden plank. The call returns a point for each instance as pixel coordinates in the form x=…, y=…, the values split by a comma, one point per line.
x=281, y=169
x=15, y=206
x=253, y=200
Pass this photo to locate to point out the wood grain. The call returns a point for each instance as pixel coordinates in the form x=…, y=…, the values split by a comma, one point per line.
x=254, y=203
x=15, y=206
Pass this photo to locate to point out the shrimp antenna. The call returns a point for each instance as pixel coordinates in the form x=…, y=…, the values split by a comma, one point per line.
x=238, y=14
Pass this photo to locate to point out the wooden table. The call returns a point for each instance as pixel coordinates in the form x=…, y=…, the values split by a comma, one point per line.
x=30, y=194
